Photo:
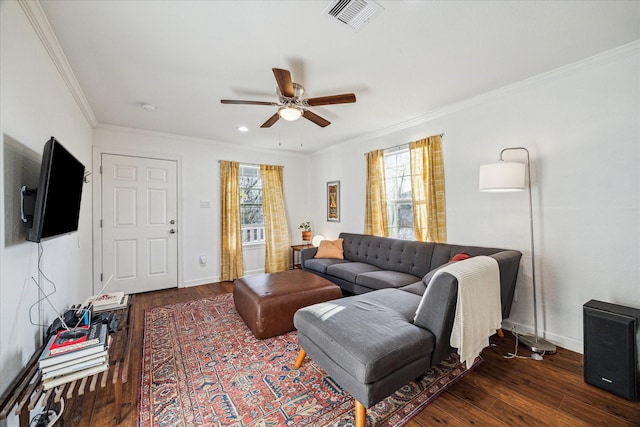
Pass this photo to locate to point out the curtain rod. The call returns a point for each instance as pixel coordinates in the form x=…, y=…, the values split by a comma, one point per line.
x=403, y=145
x=406, y=143
x=249, y=164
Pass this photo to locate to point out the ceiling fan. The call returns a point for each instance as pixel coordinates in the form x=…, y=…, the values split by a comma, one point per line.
x=291, y=102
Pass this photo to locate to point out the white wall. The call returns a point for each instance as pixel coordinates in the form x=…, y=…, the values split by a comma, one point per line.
x=35, y=104
x=199, y=175
x=581, y=125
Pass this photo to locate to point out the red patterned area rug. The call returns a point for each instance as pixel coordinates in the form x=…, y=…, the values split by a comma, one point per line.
x=201, y=366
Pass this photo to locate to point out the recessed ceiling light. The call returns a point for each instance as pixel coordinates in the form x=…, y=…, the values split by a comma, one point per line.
x=243, y=129
x=148, y=107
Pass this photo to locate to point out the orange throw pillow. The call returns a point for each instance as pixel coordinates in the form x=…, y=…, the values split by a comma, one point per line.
x=330, y=249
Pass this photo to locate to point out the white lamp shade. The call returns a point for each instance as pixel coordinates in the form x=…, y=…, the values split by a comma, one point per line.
x=317, y=239
x=502, y=176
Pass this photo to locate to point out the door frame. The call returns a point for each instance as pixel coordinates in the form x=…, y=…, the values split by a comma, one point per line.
x=98, y=151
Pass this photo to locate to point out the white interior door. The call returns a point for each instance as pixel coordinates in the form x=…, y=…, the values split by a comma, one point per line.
x=139, y=223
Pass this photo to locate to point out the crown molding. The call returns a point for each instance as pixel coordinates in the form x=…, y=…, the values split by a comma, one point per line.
x=192, y=139
x=34, y=12
x=629, y=49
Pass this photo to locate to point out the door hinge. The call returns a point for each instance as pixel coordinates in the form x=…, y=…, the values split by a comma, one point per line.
x=100, y=223
x=101, y=279
x=100, y=169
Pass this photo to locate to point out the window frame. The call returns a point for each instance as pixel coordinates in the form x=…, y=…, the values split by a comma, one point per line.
x=252, y=233
x=399, y=199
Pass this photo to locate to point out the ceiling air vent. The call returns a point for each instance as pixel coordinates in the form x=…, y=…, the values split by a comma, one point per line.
x=354, y=13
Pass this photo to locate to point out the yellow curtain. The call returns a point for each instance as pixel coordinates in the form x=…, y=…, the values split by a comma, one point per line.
x=427, y=190
x=375, y=216
x=231, y=266
x=275, y=220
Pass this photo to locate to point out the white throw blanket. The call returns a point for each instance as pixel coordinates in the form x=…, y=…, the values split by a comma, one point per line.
x=478, y=308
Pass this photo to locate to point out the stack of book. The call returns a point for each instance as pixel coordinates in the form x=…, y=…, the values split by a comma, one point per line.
x=75, y=354
x=112, y=301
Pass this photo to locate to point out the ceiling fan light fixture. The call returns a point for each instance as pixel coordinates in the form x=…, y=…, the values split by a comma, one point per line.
x=290, y=113
x=291, y=104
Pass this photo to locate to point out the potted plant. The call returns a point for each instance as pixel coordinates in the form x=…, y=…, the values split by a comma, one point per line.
x=306, y=231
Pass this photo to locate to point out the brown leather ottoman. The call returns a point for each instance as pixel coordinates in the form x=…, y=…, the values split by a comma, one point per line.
x=267, y=302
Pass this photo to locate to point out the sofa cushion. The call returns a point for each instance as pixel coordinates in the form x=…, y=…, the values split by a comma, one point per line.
x=321, y=264
x=417, y=288
x=343, y=329
x=330, y=249
x=420, y=287
x=385, y=279
x=350, y=270
x=406, y=256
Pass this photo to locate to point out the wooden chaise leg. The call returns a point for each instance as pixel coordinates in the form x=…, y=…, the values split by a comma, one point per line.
x=361, y=411
x=500, y=333
x=300, y=359
x=361, y=415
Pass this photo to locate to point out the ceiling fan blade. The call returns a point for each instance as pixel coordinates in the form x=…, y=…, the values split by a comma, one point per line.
x=271, y=121
x=345, y=98
x=231, y=101
x=315, y=118
x=283, y=78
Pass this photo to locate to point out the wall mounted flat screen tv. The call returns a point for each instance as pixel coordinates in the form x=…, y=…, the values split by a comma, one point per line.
x=57, y=206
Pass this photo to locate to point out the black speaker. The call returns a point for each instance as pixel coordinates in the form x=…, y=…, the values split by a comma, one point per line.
x=611, y=339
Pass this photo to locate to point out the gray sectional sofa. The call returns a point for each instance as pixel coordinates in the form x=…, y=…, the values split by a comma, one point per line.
x=399, y=324
x=372, y=263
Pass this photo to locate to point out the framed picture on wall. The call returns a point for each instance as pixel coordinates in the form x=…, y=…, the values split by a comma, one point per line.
x=333, y=201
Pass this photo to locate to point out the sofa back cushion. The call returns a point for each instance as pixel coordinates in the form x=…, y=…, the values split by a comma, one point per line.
x=405, y=256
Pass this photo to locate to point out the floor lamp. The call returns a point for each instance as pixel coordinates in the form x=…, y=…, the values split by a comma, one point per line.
x=510, y=176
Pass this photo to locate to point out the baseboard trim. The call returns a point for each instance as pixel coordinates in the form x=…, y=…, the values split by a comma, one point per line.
x=216, y=279
x=560, y=341
x=200, y=281
x=253, y=272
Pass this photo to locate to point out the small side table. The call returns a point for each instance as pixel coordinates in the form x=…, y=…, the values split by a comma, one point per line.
x=298, y=248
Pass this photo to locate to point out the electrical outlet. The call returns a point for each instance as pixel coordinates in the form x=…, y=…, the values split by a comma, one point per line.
x=515, y=296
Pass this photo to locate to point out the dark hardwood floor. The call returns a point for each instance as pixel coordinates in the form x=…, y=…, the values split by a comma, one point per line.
x=499, y=392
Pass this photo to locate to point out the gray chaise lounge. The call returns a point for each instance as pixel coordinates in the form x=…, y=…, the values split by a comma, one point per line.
x=370, y=343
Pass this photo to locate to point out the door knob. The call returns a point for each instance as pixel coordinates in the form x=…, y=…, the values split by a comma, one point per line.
x=173, y=221
x=172, y=231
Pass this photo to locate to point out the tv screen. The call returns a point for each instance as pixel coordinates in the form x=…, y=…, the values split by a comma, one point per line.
x=57, y=207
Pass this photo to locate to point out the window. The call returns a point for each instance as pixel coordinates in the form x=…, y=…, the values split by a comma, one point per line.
x=397, y=172
x=252, y=217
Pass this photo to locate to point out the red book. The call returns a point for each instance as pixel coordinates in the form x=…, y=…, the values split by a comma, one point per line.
x=77, y=338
